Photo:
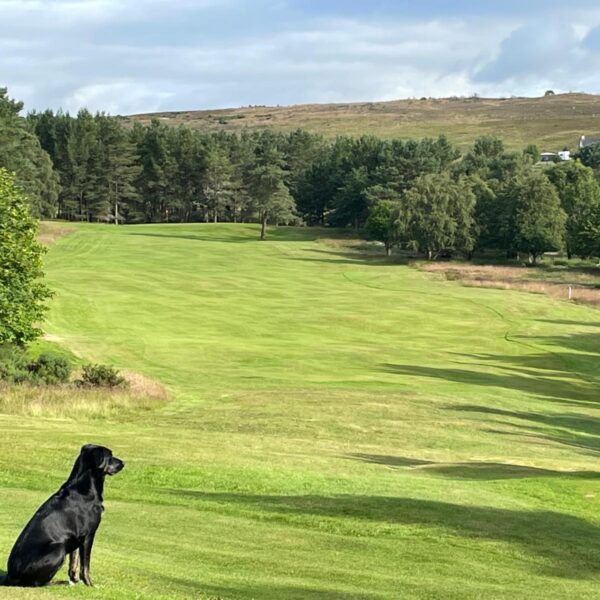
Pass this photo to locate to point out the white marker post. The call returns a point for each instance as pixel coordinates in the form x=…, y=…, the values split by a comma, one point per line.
x=570, y=292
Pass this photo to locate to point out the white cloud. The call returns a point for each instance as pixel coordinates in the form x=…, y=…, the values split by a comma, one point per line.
x=151, y=55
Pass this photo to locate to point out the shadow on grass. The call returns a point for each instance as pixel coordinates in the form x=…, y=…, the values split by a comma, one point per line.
x=554, y=385
x=275, y=234
x=483, y=471
x=574, y=430
x=566, y=322
x=236, y=239
x=252, y=592
x=567, y=545
x=354, y=257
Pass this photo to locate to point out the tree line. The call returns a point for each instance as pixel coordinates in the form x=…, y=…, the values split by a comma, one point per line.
x=421, y=195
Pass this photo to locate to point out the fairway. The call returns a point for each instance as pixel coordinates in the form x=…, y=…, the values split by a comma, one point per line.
x=338, y=427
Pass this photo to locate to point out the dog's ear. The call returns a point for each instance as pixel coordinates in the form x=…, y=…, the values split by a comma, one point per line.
x=105, y=457
x=94, y=457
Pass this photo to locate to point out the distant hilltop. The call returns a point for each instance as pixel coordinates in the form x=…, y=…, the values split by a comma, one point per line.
x=553, y=122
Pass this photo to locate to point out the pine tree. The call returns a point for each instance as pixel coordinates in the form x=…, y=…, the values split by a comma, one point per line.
x=115, y=192
x=21, y=153
x=217, y=181
x=269, y=194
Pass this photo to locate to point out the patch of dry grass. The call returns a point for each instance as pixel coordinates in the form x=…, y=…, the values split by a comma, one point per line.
x=523, y=279
x=70, y=401
x=50, y=231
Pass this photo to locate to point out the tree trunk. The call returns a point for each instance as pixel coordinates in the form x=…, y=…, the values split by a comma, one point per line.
x=263, y=227
x=429, y=254
x=388, y=250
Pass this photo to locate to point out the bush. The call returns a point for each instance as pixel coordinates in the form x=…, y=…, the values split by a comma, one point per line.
x=13, y=364
x=101, y=376
x=50, y=369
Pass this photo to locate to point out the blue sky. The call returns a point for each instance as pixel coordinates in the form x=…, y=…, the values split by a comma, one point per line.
x=127, y=56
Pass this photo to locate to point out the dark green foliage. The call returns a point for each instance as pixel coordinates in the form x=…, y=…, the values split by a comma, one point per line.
x=49, y=368
x=22, y=293
x=539, y=220
x=385, y=224
x=532, y=152
x=579, y=194
x=100, y=376
x=590, y=156
x=217, y=183
x=441, y=214
x=21, y=153
x=13, y=364
x=266, y=183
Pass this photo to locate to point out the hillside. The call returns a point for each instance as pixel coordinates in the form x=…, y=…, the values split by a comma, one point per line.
x=552, y=122
x=340, y=427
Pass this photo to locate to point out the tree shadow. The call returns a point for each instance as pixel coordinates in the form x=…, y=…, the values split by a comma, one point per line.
x=580, y=342
x=479, y=470
x=354, y=257
x=266, y=591
x=554, y=386
x=235, y=239
x=274, y=234
x=568, y=546
x=567, y=322
x=390, y=461
x=574, y=430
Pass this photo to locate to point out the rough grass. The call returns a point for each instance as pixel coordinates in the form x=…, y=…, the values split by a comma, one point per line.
x=338, y=427
x=552, y=123
x=555, y=282
x=70, y=401
x=50, y=231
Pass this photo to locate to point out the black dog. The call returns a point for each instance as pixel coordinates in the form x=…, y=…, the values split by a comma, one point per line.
x=65, y=524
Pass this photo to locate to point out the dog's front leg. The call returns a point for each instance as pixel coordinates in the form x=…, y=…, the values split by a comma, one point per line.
x=74, y=566
x=86, y=555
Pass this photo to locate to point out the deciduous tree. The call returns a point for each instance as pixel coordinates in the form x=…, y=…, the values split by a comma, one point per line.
x=22, y=293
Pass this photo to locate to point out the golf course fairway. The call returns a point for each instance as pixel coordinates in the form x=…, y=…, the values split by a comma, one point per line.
x=338, y=426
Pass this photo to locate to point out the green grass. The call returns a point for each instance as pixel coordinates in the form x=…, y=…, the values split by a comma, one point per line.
x=338, y=427
x=552, y=123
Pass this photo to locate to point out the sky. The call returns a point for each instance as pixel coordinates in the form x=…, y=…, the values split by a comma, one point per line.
x=132, y=56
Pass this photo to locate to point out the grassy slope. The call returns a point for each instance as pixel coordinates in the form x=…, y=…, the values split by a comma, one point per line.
x=552, y=123
x=339, y=428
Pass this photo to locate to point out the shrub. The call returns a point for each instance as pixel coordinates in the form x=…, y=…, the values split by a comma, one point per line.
x=13, y=364
x=101, y=376
x=50, y=368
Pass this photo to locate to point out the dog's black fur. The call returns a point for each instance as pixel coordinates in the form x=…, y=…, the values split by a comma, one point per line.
x=65, y=524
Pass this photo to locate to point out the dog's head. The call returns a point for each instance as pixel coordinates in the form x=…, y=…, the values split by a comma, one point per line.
x=100, y=459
